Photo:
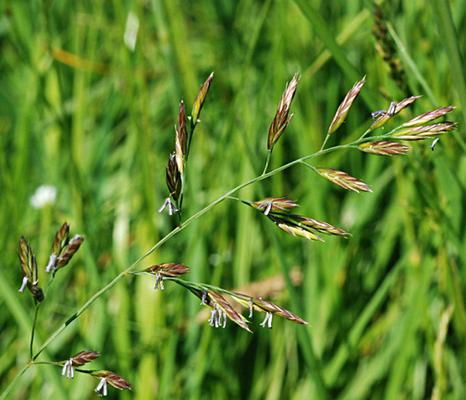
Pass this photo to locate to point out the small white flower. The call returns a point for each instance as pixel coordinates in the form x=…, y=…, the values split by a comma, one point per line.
x=267, y=322
x=44, y=195
x=68, y=369
x=23, y=284
x=102, y=387
x=131, y=31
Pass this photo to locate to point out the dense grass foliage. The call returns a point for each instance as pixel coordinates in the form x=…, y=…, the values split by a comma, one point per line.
x=81, y=111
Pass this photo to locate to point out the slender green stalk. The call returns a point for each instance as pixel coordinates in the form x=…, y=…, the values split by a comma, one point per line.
x=33, y=330
x=267, y=162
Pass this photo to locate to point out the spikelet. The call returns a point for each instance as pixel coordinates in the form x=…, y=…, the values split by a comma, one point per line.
x=394, y=109
x=199, y=102
x=61, y=239
x=282, y=116
x=84, y=357
x=173, y=177
x=181, y=139
x=323, y=227
x=167, y=269
x=294, y=230
x=384, y=148
x=425, y=131
x=28, y=265
x=69, y=251
x=271, y=204
x=267, y=306
x=221, y=308
x=344, y=107
x=344, y=180
x=428, y=116
x=113, y=379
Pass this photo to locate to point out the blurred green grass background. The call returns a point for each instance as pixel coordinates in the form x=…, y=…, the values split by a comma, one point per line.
x=81, y=111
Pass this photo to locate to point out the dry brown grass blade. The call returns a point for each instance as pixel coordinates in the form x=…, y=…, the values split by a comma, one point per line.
x=345, y=105
x=344, y=180
x=282, y=116
x=385, y=148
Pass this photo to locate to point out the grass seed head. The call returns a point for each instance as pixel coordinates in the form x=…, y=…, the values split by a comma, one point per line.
x=271, y=204
x=267, y=306
x=282, y=116
x=112, y=379
x=168, y=269
x=345, y=105
x=294, y=230
x=323, y=227
x=344, y=180
x=394, y=109
x=385, y=148
x=428, y=116
x=28, y=265
x=217, y=301
x=61, y=239
x=173, y=177
x=84, y=357
x=425, y=131
x=181, y=139
x=199, y=102
x=69, y=251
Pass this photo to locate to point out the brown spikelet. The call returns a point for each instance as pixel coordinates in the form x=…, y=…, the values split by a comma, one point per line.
x=61, y=239
x=294, y=230
x=173, y=177
x=168, y=269
x=394, y=109
x=69, y=251
x=385, y=148
x=428, y=116
x=28, y=265
x=84, y=357
x=181, y=139
x=267, y=306
x=425, y=131
x=282, y=116
x=199, y=102
x=344, y=180
x=345, y=105
x=271, y=204
x=323, y=227
x=220, y=301
x=113, y=379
